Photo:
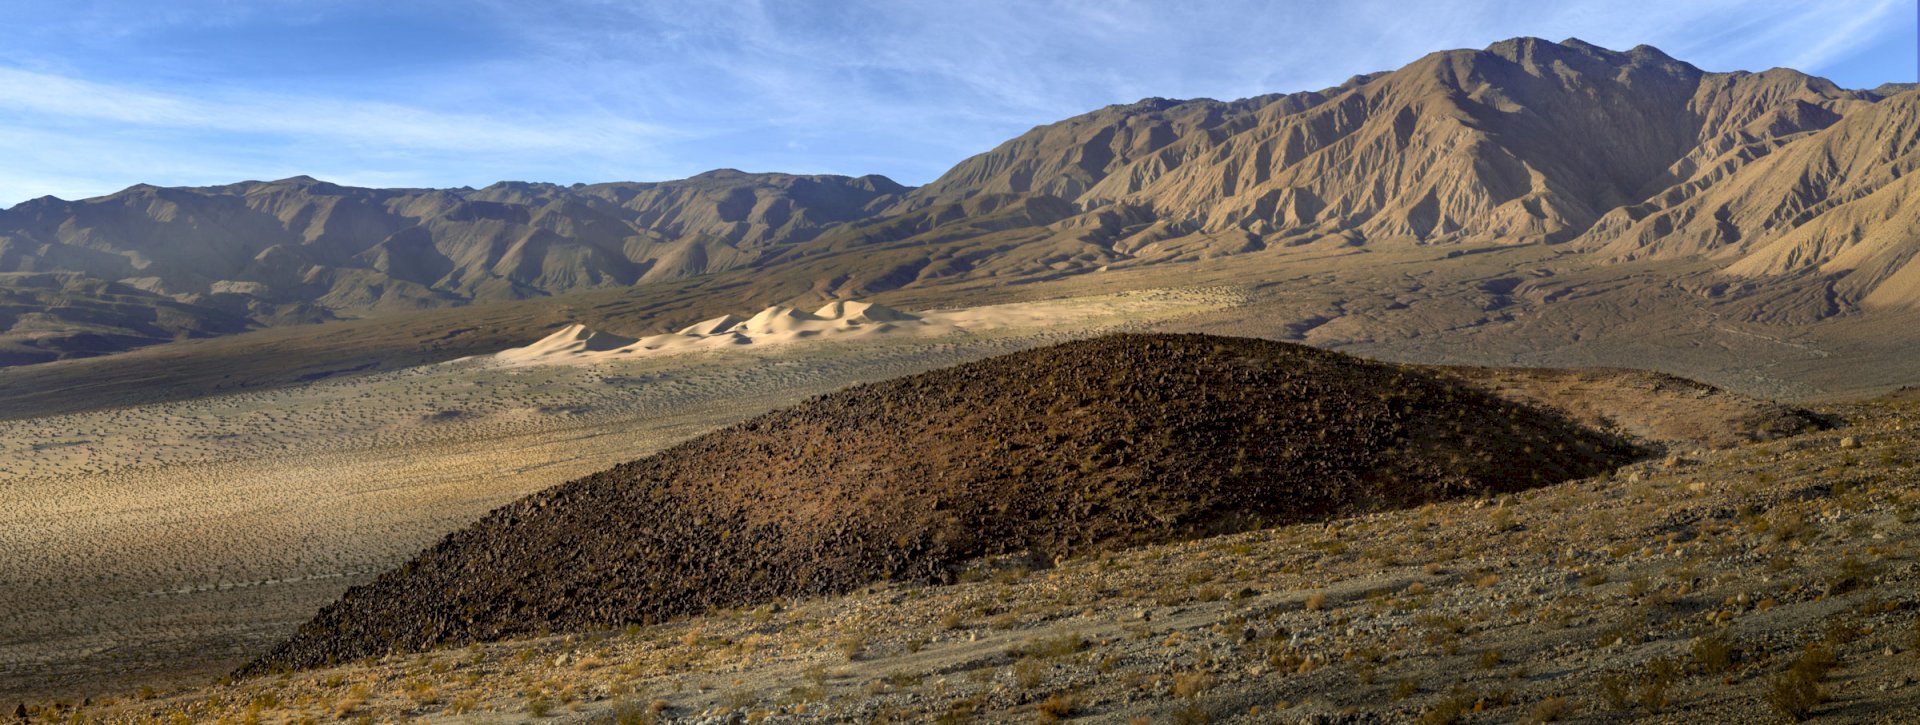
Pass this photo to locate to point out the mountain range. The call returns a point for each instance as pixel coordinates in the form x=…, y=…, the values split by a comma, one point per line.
x=1608, y=157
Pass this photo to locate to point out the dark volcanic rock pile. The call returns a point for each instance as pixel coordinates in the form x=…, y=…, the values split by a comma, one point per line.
x=1061, y=450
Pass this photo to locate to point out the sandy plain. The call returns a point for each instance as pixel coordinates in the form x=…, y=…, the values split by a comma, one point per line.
x=165, y=543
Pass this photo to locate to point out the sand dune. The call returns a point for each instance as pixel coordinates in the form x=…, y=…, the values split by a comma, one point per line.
x=714, y=326
x=781, y=325
x=572, y=341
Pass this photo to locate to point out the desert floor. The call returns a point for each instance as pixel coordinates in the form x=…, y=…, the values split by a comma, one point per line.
x=163, y=544
x=1760, y=582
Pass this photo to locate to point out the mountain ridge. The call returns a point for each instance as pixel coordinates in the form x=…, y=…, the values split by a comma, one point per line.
x=1617, y=155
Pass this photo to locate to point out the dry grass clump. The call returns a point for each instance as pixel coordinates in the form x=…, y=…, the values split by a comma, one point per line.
x=1057, y=707
x=1191, y=684
x=851, y=646
x=1051, y=647
x=1029, y=672
x=1795, y=693
x=1552, y=709
x=1713, y=653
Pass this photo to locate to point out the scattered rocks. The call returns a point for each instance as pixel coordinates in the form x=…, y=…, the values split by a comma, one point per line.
x=1064, y=450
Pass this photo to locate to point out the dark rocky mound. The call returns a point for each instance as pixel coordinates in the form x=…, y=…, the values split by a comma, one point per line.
x=1095, y=444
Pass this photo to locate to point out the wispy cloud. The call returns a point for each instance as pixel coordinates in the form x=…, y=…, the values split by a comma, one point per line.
x=448, y=92
x=325, y=119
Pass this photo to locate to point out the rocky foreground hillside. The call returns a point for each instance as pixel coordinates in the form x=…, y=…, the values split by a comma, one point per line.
x=1050, y=453
x=1770, y=581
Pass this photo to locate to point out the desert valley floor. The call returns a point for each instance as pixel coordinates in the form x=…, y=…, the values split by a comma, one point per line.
x=255, y=507
x=166, y=543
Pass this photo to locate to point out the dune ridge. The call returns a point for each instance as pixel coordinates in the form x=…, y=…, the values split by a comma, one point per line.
x=575, y=344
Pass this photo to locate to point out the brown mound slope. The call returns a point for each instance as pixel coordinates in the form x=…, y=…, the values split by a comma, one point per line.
x=1651, y=408
x=1093, y=444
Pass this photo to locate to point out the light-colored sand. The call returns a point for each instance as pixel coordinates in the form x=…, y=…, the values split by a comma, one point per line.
x=167, y=543
x=571, y=342
x=837, y=321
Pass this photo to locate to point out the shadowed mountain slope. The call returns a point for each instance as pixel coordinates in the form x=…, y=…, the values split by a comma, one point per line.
x=1628, y=155
x=301, y=250
x=49, y=316
x=1056, y=451
x=1830, y=205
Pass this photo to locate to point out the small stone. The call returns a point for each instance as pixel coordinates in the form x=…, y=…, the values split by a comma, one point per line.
x=1143, y=615
x=1849, y=442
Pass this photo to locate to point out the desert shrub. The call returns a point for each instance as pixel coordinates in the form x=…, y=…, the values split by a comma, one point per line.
x=539, y=706
x=1616, y=690
x=1058, y=707
x=1849, y=575
x=1815, y=662
x=1192, y=713
x=1447, y=711
x=465, y=705
x=1793, y=695
x=851, y=646
x=1052, y=647
x=1552, y=709
x=1029, y=672
x=1190, y=684
x=633, y=713
x=1405, y=688
x=1713, y=653
x=1656, y=682
x=1839, y=632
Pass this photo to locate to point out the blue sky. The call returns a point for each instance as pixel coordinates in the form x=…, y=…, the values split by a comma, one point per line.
x=96, y=95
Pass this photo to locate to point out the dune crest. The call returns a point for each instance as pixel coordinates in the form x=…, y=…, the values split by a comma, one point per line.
x=572, y=341
x=775, y=325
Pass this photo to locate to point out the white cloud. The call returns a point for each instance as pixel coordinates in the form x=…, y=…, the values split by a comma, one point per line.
x=607, y=89
x=316, y=119
x=1859, y=25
